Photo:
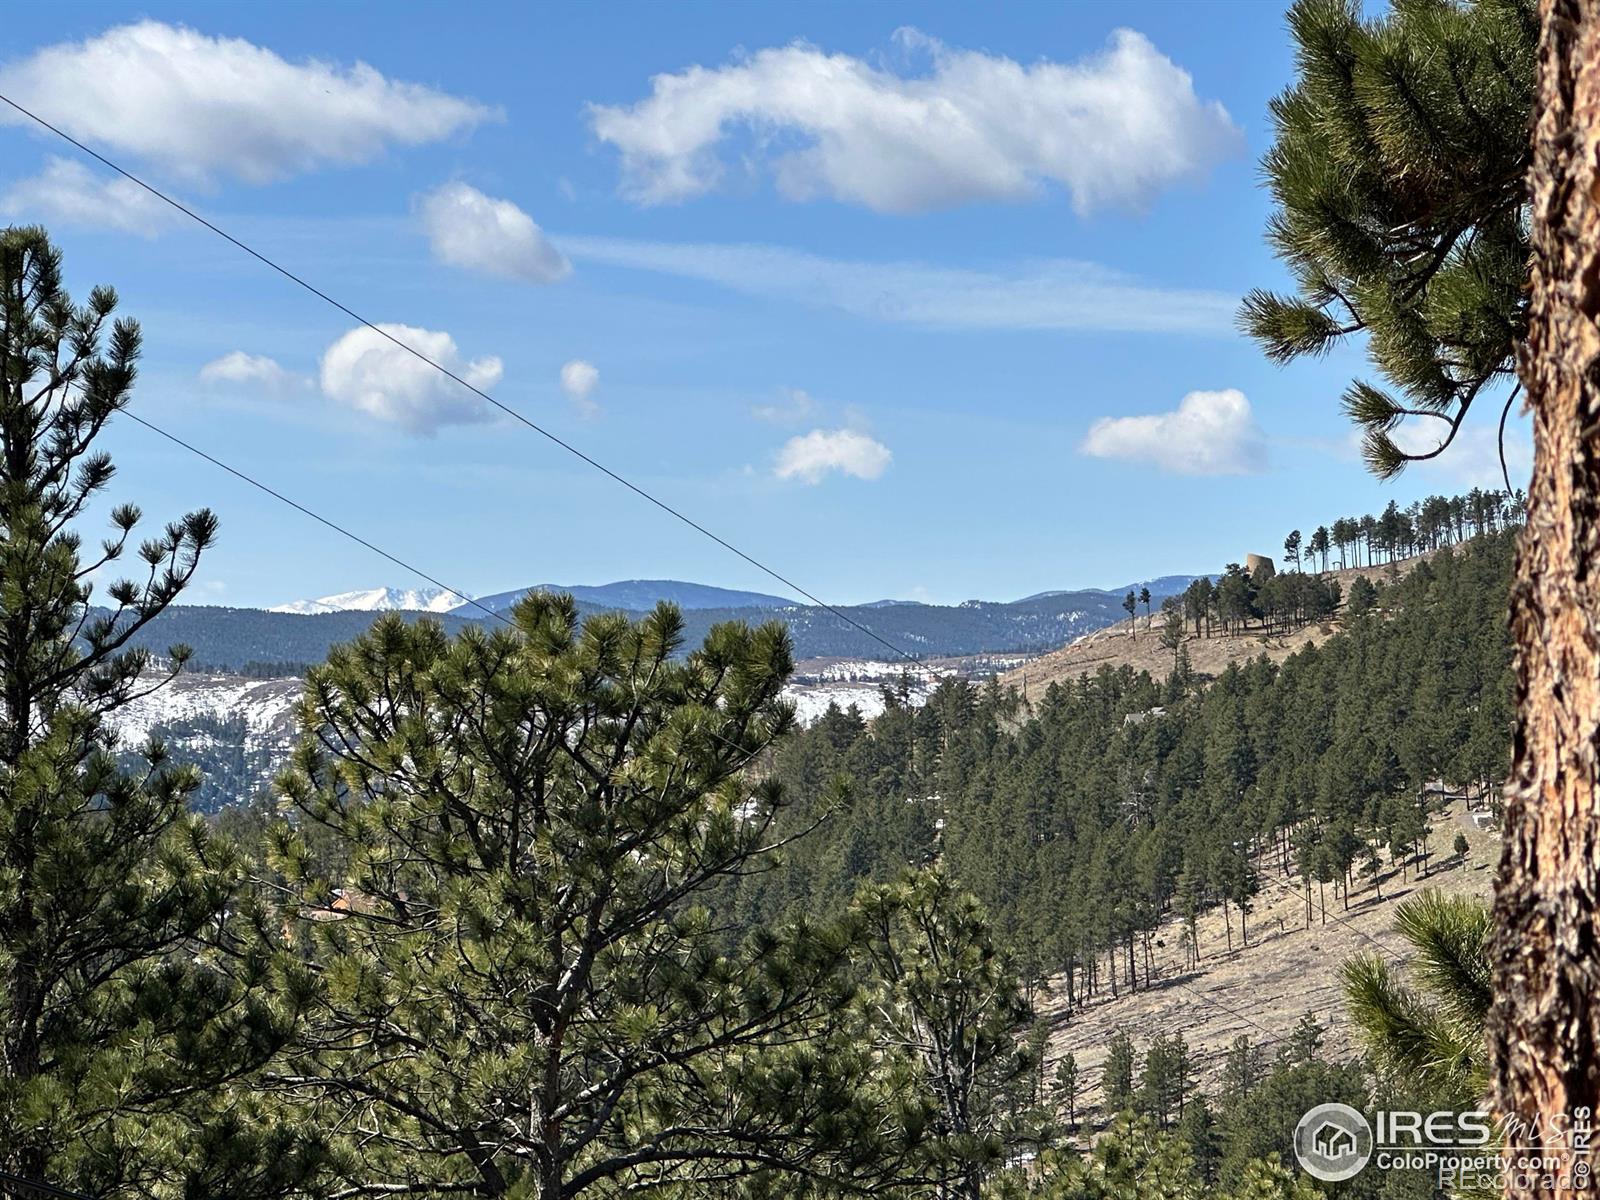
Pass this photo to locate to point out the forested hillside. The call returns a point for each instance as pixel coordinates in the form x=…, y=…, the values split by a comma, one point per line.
x=1122, y=798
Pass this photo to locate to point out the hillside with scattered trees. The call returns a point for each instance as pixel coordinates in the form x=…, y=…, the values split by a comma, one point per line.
x=1120, y=798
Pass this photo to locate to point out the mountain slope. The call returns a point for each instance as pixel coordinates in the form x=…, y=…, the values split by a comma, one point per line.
x=1138, y=645
x=1261, y=990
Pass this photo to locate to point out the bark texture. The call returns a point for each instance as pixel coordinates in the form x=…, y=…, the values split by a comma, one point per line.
x=1546, y=1024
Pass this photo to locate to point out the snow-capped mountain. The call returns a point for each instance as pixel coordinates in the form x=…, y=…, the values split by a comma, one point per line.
x=381, y=599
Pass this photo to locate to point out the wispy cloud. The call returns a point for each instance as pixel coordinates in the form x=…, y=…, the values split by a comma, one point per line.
x=258, y=370
x=68, y=193
x=480, y=233
x=813, y=456
x=795, y=406
x=1053, y=294
x=1473, y=459
x=579, y=380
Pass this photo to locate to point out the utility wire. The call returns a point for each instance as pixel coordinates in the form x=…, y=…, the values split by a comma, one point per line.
x=445, y=371
x=298, y=507
x=1335, y=917
x=479, y=392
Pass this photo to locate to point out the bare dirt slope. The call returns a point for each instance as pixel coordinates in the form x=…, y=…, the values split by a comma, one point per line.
x=1262, y=990
x=1137, y=644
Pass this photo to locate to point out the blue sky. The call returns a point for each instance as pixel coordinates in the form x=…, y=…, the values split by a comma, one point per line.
x=906, y=300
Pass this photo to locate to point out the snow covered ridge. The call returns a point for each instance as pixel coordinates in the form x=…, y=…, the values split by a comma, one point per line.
x=811, y=702
x=381, y=599
x=265, y=706
x=240, y=731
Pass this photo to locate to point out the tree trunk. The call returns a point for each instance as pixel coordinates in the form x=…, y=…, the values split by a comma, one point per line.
x=1546, y=1022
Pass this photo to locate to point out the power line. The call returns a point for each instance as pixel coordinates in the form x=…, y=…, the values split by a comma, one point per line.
x=445, y=371
x=1306, y=896
x=315, y=516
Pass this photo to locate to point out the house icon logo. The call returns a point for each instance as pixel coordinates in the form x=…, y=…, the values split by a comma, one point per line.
x=1332, y=1142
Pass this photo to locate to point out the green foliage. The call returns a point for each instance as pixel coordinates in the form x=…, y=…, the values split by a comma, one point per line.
x=134, y=964
x=1397, y=176
x=1363, y=597
x=1433, y=1036
x=1134, y=1160
x=1066, y=1089
x=1116, y=1075
x=943, y=991
x=1166, y=1081
x=516, y=946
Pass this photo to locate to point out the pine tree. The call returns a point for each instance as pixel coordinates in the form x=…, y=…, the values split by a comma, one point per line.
x=1363, y=597
x=525, y=990
x=948, y=994
x=1546, y=1027
x=1436, y=1035
x=1172, y=629
x=1319, y=545
x=1116, y=1075
x=1397, y=172
x=1241, y=1071
x=1065, y=1090
x=130, y=978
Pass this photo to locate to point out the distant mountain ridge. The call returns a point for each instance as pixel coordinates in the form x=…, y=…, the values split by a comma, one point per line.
x=1162, y=585
x=632, y=595
x=641, y=595
x=228, y=638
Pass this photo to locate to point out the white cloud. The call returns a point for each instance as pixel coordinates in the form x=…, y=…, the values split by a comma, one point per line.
x=811, y=456
x=202, y=106
x=68, y=193
x=1211, y=433
x=1112, y=129
x=255, y=369
x=365, y=371
x=795, y=407
x=471, y=230
x=579, y=380
x=1040, y=295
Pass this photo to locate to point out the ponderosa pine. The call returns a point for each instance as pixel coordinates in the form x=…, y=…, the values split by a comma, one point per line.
x=127, y=957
